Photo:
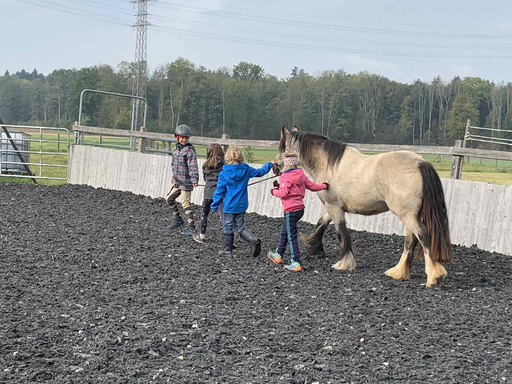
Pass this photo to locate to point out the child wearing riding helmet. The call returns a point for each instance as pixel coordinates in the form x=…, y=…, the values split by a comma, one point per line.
x=211, y=171
x=291, y=189
x=232, y=193
x=185, y=177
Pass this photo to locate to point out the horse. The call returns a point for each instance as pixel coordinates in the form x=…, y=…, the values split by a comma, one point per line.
x=398, y=181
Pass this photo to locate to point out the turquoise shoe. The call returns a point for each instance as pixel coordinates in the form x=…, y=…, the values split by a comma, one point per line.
x=275, y=257
x=293, y=266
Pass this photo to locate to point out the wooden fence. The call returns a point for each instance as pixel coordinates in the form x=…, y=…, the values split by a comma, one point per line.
x=457, y=152
x=479, y=213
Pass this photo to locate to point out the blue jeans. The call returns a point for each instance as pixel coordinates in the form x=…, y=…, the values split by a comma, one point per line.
x=231, y=220
x=289, y=234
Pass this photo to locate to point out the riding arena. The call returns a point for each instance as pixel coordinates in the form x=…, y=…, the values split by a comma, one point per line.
x=96, y=289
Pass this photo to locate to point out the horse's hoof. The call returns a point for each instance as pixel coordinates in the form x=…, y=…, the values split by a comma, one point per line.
x=396, y=274
x=437, y=283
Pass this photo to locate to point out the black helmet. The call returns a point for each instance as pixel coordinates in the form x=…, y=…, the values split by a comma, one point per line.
x=183, y=130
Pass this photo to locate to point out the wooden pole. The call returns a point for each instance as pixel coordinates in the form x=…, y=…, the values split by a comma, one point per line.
x=224, y=137
x=457, y=161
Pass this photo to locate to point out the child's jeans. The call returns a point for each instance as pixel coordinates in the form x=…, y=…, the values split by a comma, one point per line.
x=289, y=234
x=231, y=220
x=205, y=211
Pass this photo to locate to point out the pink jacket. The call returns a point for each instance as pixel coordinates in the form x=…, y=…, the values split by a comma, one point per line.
x=292, y=187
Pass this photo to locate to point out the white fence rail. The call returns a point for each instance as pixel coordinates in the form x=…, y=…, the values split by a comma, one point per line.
x=479, y=212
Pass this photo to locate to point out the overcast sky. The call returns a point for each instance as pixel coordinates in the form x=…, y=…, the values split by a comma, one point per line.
x=403, y=40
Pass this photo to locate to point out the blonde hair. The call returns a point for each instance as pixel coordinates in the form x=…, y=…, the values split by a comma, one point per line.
x=234, y=155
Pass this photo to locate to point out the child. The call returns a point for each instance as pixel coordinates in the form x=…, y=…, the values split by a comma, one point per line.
x=291, y=189
x=185, y=176
x=232, y=192
x=211, y=170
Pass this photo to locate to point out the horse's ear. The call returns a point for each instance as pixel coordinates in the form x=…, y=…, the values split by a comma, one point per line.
x=284, y=131
x=295, y=128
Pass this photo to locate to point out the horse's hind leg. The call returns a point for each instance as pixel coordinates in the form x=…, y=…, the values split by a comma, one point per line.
x=402, y=271
x=347, y=260
x=434, y=270
x=314, y=241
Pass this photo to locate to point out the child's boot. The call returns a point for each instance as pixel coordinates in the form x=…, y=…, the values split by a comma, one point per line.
x=228, y=244
x=275, y=257
x=253, y=241
x=178, y=222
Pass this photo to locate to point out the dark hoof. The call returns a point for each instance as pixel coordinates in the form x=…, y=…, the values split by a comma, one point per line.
x=322, y=255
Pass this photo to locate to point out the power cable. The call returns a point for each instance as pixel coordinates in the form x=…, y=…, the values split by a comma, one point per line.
x=74, y=11
x=337, y=18
x=231, y=15
x=320, y=38
x=316, y=48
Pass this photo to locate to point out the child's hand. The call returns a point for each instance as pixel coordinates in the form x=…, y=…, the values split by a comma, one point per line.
x=326, y=183
x=273, y=162
x=175, y=185
x=194, y=185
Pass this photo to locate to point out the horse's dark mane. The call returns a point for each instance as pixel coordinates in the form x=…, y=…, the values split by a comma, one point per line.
x=308, y=141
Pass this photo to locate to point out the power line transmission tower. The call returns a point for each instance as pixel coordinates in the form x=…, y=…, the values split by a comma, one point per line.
x=141, y=57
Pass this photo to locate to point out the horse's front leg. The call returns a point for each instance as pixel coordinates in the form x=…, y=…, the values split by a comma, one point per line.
x=314, y=241
x=347, y=260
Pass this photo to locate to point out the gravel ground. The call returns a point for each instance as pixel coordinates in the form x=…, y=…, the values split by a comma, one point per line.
x=95, y=289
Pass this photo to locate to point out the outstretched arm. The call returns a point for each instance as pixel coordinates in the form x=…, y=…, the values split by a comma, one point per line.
x=314, y=186
x=253, y=172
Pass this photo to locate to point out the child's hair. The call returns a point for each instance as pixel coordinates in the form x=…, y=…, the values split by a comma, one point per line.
x=291, y=160
x=214, y=156
x=234, y=156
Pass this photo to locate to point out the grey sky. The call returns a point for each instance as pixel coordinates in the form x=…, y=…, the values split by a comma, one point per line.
x=387, y=37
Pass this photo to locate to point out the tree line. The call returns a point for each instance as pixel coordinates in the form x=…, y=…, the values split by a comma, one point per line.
x=246, y=102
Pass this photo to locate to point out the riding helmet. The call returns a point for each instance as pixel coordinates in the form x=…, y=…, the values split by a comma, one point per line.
x=183, y=130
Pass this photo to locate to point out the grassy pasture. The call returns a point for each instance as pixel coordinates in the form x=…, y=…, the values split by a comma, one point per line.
x=486, y=170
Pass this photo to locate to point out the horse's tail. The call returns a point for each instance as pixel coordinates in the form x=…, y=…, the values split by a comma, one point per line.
x=433, y=214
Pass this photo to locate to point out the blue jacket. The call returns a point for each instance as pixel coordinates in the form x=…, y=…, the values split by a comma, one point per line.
x=232, y=186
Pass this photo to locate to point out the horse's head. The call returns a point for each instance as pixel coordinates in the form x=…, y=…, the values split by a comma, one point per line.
x=287, y=144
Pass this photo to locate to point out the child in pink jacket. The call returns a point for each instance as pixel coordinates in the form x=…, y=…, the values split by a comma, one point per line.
x=291, y=189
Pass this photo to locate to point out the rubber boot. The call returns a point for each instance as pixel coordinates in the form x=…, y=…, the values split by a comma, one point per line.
x=228, y=244
x=253, y=241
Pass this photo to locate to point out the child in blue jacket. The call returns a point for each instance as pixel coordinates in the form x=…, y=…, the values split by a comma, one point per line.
x=232, y=192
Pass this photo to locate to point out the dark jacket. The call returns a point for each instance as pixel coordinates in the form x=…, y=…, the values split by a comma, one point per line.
x=184, y=166
x=232, y=186
x=211, y=177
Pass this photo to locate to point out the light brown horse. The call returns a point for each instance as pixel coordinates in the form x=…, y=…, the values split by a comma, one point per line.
x=399, y=181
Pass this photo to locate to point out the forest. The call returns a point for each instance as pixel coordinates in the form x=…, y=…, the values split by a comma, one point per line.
x=246, y=102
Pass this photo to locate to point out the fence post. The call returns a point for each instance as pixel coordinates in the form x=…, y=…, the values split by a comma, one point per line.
x=466, y=133
x=456, y=172
x=224, y=137
x=142, y=144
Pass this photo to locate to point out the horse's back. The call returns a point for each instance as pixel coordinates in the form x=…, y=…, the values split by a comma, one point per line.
x=372, y=184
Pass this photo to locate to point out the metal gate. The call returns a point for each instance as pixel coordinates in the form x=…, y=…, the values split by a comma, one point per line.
x=34, y=152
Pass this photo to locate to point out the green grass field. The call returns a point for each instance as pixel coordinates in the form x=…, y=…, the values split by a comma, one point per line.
x=491, y=171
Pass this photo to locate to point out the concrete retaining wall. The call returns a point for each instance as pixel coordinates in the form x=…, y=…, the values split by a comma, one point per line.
x=479, y=212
